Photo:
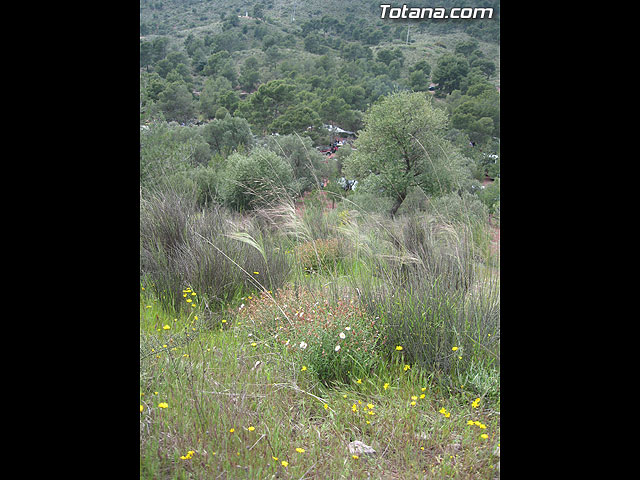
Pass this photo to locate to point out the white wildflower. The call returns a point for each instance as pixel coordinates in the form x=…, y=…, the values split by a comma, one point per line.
x=303, y=345
x=342, y=335
x=337, y=348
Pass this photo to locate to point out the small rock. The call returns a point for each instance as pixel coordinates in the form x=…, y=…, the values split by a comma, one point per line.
x=359, y=448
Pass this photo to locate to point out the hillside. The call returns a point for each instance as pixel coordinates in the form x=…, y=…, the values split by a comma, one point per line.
x=319, y=242
x=328, y=48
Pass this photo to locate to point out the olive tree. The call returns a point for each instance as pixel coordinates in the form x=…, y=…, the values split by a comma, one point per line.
x=402, y=146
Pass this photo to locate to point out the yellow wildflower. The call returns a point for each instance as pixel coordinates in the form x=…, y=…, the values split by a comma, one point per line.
x=285, y=463
x=303, y=368
x=163, y=405
x=454, y=348
x=385, y=386
x=300, y=450
x=251, y=429
x=407, y=367
x=444, y=412
x=231, y=430
x=190, y=453
x=166, y=327
x=399, y=347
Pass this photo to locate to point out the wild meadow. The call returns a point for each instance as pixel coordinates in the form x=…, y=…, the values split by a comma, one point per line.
x=318, y=342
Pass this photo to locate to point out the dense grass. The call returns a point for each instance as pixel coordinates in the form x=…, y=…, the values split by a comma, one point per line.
x=241, y=317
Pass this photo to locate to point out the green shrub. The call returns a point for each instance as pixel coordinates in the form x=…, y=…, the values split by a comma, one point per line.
x=257, y=179
x=309, y=166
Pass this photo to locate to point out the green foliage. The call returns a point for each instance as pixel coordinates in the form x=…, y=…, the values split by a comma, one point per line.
x=166, y=151
x=308, y=166
x=257, y=179
x=419, y=81
x=402, y=145
x=449, y=72
x=297, y=118
x=490, y=196
x=228, y=134
x=249, y=75
x=478, y=112
x=217, y=92
x=176, y=102
x=268, y=103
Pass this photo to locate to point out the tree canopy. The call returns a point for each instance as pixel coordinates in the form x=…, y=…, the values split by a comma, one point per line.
x=402, y=145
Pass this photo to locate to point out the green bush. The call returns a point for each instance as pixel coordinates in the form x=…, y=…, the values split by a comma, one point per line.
x=309, y=166
x=255, y=180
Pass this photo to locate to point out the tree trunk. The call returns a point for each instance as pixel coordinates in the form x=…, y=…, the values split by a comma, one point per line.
x=396, y=206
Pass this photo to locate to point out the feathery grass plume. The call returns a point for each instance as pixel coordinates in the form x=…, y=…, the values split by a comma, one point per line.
x=249, y=240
